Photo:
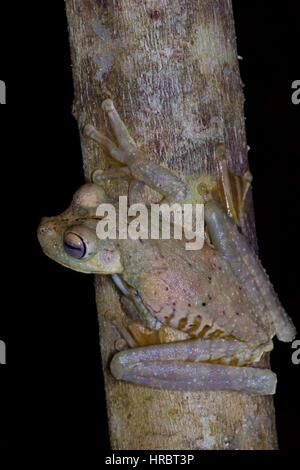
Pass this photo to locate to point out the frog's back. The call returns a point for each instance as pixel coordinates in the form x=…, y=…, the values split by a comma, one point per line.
x=192, y=291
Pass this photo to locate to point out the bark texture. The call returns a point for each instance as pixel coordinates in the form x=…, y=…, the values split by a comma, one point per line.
x=171, y=67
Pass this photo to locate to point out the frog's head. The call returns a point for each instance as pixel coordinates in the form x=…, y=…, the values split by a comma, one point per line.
x=70, y=238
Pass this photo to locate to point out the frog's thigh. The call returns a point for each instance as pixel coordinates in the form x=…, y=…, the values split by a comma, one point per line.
x=173, y=366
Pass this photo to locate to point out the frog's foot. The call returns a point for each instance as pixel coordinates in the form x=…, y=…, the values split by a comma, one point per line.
x=124, y=139
x=91, y=132
x=244, y=188
x=235, y=188
x=126, y=339
x=126, y=151
x=192, y=365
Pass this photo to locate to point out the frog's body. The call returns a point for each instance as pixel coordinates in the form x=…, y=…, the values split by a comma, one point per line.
x=219, y=297
x=197, y=294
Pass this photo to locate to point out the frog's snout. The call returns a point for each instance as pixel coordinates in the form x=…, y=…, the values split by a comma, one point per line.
x=46, y=227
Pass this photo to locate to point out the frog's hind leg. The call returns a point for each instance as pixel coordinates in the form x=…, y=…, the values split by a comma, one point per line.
x=200, y=377
x=247, y=267
x=189, y=365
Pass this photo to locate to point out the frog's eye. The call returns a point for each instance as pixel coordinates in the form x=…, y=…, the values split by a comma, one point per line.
x=74, y=245
x=79, y=242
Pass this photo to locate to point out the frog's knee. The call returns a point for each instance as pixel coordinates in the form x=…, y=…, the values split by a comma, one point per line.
x=119, y=366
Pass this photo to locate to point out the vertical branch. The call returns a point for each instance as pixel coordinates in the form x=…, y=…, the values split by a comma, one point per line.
x=171, y=68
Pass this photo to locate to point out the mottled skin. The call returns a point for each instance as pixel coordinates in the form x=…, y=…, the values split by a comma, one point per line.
x=219, y=296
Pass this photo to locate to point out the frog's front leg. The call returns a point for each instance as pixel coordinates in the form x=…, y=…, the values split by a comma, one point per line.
x=155, y=176
x=145, y=316
x=193, y=365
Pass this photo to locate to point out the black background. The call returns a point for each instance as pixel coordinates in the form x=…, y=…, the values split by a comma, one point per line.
x=54, y=366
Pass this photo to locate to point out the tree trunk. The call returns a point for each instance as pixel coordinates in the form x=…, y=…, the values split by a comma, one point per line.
x=171, y=67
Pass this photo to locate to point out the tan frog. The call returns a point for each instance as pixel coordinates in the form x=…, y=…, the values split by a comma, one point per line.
x=219, y=297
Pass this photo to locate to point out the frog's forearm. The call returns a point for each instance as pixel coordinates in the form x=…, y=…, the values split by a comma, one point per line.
x=175, y=366
x=247, y=268
x=148, y=320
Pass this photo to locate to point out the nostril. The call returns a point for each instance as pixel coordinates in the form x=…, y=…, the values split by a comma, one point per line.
x=46, y=226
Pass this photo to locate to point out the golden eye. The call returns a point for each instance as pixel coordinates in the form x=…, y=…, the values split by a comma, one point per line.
x=74, y=245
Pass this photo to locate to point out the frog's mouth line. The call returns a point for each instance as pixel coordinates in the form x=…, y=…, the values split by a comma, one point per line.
x=65, y=265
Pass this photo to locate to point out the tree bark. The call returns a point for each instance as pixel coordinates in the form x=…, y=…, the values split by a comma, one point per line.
x=171, y=67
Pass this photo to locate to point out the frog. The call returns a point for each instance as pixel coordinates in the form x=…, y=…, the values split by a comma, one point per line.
x=219, y=298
